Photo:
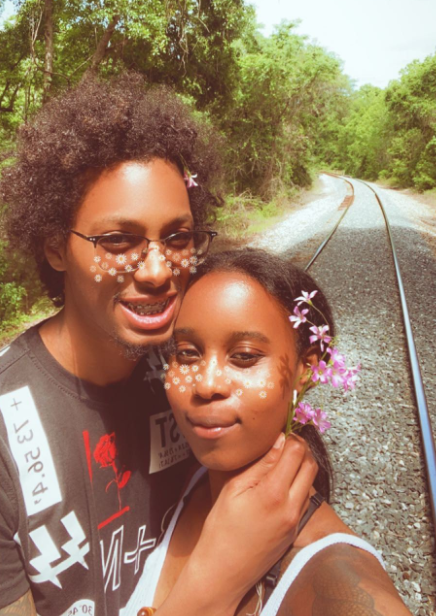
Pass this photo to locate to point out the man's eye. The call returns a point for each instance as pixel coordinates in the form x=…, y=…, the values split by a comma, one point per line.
x=179, y=240
x=118, y=242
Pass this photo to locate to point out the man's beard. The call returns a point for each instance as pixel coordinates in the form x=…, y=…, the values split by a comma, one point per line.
x=130, y=351
x=134, y=352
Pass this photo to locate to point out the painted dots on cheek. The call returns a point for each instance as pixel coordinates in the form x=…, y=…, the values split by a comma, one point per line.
x=186, y=377
x=117, y=265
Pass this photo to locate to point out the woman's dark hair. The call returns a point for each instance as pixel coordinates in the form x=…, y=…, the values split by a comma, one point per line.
x=91, y=128
x=284, y=281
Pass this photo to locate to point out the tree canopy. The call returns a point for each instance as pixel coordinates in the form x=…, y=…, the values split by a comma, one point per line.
x=283, y=104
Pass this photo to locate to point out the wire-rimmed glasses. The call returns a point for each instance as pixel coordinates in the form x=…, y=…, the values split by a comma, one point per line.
x=119, y=253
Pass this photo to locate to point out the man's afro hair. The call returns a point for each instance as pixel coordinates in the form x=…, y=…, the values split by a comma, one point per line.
x=92, y=127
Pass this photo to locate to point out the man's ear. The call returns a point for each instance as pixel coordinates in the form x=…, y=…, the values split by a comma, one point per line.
x=309, y=358
x=55, y=253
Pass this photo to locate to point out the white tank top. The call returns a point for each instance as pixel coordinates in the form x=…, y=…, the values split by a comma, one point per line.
x=143, y=594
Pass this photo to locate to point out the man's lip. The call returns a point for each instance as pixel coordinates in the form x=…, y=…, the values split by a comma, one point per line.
x=149, y=322
x=145, y=299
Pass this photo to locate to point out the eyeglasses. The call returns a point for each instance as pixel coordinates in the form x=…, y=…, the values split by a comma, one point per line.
x=119, y=253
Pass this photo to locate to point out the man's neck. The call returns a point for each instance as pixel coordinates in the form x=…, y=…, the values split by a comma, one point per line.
x=101, y=364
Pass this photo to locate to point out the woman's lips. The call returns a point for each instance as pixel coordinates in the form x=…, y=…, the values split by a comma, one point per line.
x=150, y=321
x=210, y=428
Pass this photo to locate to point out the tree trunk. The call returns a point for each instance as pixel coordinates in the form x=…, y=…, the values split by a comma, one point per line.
x=102, y=46
x=48, y=36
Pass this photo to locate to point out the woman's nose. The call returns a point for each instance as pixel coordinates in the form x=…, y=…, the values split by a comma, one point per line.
x=212, y=381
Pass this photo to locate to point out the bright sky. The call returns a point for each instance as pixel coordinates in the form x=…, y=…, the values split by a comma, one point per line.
x=374, y=38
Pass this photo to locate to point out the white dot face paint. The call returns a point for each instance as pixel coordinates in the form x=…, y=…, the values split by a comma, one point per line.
x=117, y=264
x=189, y=374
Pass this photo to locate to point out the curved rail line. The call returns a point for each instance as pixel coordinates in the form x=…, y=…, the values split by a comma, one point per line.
x=428, y=443
x=346, y=203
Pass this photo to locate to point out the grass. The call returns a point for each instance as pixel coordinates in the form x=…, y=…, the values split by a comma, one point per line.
x=9, y=330
x=244, y=215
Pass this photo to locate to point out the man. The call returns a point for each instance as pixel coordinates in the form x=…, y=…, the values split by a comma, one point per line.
x=103, y=196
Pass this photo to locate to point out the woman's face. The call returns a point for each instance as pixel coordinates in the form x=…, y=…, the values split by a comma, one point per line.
x=234, y=370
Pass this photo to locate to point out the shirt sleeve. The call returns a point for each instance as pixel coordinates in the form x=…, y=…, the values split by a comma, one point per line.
x=13, y=580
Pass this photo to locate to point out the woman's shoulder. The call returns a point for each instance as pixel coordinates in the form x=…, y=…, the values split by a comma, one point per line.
x=341, y=579
x=329, y=570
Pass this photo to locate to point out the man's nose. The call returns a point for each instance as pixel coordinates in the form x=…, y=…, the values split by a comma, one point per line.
x=153, y=268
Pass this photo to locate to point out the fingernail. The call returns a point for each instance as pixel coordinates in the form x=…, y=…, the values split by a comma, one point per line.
x=280, y=441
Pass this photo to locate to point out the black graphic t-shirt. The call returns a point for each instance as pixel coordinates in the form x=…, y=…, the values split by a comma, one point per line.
x=87, y=475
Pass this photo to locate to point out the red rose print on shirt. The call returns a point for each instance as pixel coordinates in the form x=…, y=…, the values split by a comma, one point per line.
x=106, y=455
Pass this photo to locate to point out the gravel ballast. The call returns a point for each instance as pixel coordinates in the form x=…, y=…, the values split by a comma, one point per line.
x=380, y=485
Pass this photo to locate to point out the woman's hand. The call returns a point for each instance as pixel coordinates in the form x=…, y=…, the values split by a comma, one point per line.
x=252, y=523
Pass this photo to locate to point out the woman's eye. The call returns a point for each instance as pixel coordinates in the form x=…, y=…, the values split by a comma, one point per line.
x=246, y=358
x=187, y=355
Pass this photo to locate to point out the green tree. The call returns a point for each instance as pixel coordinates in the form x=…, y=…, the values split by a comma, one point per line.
x=411, y=102
x=364, y=137
x=286, y=90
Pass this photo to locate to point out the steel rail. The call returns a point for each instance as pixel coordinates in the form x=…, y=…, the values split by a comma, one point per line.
x=328, y=238
x=428, y=442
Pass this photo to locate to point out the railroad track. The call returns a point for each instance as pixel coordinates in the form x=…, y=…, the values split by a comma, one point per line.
x=381, y=481
x=426, y=431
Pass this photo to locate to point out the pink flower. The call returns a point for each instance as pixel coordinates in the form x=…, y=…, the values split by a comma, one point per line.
x=337, y=375
x=303, y=413
x=320, y=420
x=320, y=372
x=337, y=359
x=330, y=369
x=189, y=179
x=350, y=377
x=299, y=316
x=320, y=333
x=305, y=298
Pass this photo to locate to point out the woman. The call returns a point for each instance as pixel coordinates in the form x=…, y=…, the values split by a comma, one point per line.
x=234, y=345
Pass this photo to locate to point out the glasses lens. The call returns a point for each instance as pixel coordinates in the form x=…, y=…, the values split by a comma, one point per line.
x=119, y=252
x=187, y=249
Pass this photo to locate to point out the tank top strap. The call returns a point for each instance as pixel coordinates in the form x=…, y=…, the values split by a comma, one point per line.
x=271, y=578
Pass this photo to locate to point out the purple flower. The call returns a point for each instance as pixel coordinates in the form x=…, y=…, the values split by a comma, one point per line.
x=320, y=372
x=320, y=333
x=299, y=316
x=304, y=413
x=350, y=377
x=337, y=375
x=320, y=420
x=305, y=297
x=337, y=359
